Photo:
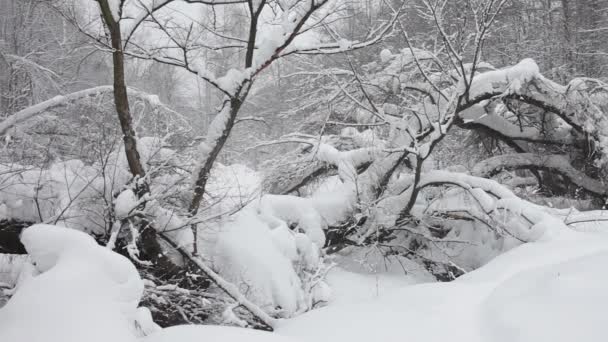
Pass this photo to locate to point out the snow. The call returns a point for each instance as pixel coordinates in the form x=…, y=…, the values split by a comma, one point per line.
x=125, y=203
x=268, y=39
x=214, y=133
x=351, y=287
x=81, y=287
x=234, y=184
x=589, y=221
x=269, y=262
x=550, y=290
x=12, y=269
x=504, y=80
x=232, y=81
x=197, y=333
x=246, y=254
x=66, y=189
x=294, y=209
x=386, y=55
x=543, y=291
x=563, y=302
x=50, y=104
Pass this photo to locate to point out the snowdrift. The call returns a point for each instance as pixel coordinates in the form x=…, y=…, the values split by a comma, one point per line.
x=549, y=290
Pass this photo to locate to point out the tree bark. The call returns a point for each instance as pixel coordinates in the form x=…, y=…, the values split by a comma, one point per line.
x=121, y=99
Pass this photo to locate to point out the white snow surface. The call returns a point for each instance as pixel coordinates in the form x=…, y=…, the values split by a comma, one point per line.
x=542, y=291
x=349, y=287
x=84, y=292
x=198, y=333
x=549, y=290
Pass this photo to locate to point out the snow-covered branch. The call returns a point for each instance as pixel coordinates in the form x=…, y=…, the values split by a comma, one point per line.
x=555, y=163
x=582, y=103
x=64, y=100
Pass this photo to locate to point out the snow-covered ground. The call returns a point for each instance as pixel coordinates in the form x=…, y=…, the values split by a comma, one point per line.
x=550, y=290
x=352, y=287
x=544, y=291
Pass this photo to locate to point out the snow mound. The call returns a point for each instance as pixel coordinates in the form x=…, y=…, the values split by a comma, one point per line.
x=49, y=245
x=84, y=292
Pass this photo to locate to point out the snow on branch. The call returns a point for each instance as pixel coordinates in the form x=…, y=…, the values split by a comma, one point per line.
x=556, y=163
x=582, y=103
x=507, y=80
x=343, y=45
x=477, y=116
x=491, y=197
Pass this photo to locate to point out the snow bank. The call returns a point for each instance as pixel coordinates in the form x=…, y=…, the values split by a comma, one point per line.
x=561, y=302
x=84, y=292
x=553, y=290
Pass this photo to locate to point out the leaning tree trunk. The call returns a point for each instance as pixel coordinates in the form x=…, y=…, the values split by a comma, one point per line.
x=149, y=241
x=121, y=100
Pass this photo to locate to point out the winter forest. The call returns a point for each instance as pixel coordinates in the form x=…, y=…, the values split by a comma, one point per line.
x=303, y=170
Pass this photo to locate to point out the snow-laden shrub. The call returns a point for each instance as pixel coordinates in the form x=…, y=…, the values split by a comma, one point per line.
x=278, y=268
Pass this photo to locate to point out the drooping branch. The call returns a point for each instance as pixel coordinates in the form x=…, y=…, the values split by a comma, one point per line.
x=57, y=101
x=64, y=100
x=555, y=163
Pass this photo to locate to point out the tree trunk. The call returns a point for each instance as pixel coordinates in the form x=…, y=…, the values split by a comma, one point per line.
x=149, y=242
x=121, y=100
